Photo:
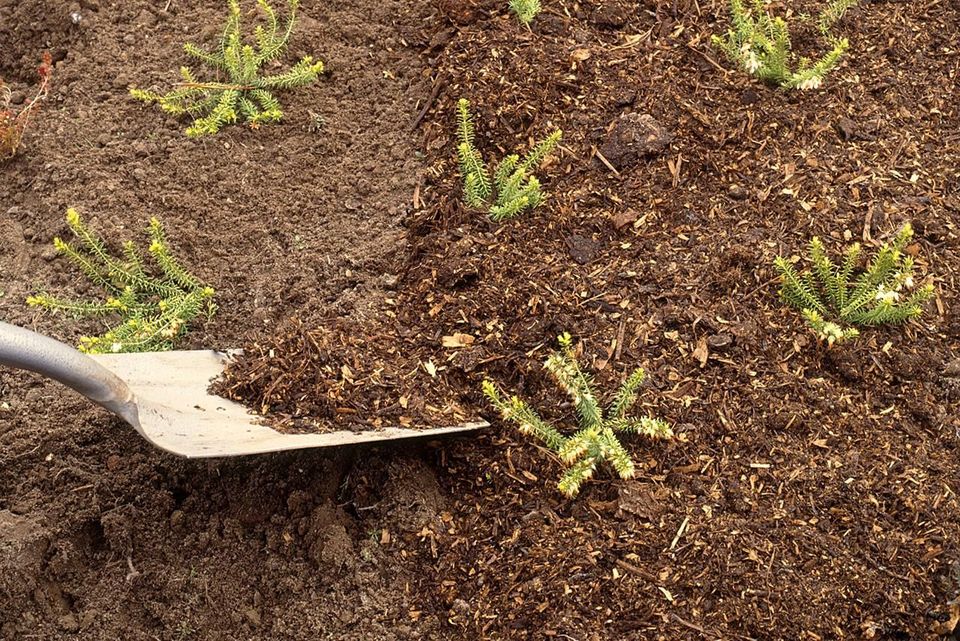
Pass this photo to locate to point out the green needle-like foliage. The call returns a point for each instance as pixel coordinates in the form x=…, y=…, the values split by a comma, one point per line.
x=759, y=43
x=154, y=308
x=596, y=440
x=832, y=14
x=525, y=10
x=245, y=93
x=833, y=300
x=513, y=188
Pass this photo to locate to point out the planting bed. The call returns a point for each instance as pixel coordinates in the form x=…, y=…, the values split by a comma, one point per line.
x=811, y=493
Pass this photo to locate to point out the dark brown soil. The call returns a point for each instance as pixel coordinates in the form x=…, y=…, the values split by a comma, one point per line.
x=104, y=538
x=811, y=494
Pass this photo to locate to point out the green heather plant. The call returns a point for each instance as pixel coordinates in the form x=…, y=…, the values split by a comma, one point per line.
x=832, y=299
x=596, y=440
x=759, y=43
x=245, y=93
x=832, y=14
x=525, y=10
x=154, y=309
x=512, y=189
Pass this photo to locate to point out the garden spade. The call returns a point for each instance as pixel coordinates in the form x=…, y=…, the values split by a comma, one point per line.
x=164, y=396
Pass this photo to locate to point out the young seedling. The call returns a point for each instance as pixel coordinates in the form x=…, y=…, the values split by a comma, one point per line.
x=596, y=440
x=525, y=10
x=154, y=308
x=246, y=93
x=14, y=123
x=759, y=43
x=833, y=300
x=832, y=14
x=513, y=189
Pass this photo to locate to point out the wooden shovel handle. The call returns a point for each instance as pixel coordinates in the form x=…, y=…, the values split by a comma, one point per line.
x=23, y=349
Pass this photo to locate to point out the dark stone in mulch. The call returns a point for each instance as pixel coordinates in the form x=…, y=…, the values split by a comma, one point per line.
x=952, y=369
x=850, y=130
x=610, y=16
x=632, y=137
x=749, y=97
x=582, y=249
x=720, y=341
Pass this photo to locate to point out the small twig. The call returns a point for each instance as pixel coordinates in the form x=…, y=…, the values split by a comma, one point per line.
x=680, y=531
x=630, y=567
x=606, y=162
x=760, y=286
x=694, y=626
x=616, y=354
x=437, y=86
x=133, y=573
x=709, y=59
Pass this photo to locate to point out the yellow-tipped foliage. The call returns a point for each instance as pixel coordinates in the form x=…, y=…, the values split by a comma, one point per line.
x=525, y=10
x=759, y=43
x=246, y=94
x=151, y=309
x=514, y=188
x=834, y=301
x=595, y=442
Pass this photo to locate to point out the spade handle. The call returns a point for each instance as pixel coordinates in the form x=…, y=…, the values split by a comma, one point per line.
x=24, y=349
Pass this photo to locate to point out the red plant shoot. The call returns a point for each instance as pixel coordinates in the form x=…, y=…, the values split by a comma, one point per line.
x=13, y=123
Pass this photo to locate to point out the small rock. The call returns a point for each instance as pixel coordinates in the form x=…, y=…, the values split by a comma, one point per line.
x=17, y=97
x=720, y=341
x=633, y=500
x=140, y=148
x=848, y=129
x=582, y=249
x=146, y=19
x=68, y=623
x=624, y=98
x=140, y=174
x=624, y=218
x=459, y=12
x=252, y=616
x=737, y=192
x=749, y=97
x=129, y=40
x=632, y=137
x=461, y=607
x=390, y=280
x=104, y=139
x=176, y=519
x=610, y=16
x=952, y=369
x=441, y=38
